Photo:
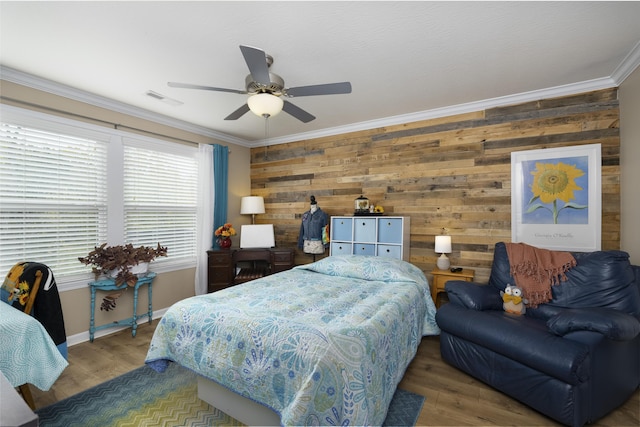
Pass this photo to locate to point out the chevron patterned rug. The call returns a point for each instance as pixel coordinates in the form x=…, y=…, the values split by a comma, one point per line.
x=146, y=398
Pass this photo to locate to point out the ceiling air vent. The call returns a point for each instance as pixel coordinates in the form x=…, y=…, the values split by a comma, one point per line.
x=162, y=98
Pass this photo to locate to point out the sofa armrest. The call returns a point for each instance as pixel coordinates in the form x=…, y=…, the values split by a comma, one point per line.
x=613, y=324
x=473, y=295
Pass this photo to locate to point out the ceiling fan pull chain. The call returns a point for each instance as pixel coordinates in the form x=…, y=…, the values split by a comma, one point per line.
x=266, y=135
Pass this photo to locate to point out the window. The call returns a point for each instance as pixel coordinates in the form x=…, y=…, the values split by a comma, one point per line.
x=66, y=187
x=160, y=199
x=53, y=196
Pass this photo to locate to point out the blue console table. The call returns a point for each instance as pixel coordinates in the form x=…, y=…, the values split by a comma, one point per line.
x=109, y=285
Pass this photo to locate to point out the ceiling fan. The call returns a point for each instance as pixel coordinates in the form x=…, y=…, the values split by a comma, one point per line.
x=267, y=89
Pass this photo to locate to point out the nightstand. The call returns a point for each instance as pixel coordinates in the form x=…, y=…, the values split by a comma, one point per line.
x=440, y=277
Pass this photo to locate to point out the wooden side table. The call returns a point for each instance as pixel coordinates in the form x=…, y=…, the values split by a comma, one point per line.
x=441, y=277
x=110, y=285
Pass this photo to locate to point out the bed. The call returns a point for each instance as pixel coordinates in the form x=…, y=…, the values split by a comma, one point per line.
x=28, y=355
x=322, y=343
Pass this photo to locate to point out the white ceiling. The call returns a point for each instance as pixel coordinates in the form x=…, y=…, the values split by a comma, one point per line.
x=406, y=60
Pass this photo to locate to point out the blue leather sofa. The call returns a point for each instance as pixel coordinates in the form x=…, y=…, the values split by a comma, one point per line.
x=574, y=359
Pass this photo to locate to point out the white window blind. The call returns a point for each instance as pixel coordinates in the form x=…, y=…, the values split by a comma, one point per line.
x=53, y=195
x=160, y=198
x=67, y=186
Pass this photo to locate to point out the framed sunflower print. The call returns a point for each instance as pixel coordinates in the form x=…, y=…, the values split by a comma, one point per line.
x=556, y=198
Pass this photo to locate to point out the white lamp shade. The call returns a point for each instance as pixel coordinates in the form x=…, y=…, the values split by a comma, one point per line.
x=443, y=244
x=265, y=104
x=251, y=205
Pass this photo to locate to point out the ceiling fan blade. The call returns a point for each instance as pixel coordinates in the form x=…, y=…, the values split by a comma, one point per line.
x=238, y=113
x=297, y=112
x=217, y=89
x=256, y=60
x=325, y=89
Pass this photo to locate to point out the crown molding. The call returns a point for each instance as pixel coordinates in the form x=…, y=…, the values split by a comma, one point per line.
x=630, y=63
x=554, y=92
x=622, y=71
x=39, y=83
x=627, y=66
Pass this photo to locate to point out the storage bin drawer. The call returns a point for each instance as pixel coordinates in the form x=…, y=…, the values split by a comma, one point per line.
x=390, y=230
x=364, y=249
x=341, y=229
x=390, y=251
x=339, y=248
x=371, y=235
x=364, y=230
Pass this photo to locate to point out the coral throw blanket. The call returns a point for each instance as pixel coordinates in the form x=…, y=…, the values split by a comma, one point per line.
x=535, y=270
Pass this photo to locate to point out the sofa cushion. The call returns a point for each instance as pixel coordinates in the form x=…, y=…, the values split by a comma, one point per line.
x=473, y=296
x=601, y=279
x=500, y=269
x=521, y=338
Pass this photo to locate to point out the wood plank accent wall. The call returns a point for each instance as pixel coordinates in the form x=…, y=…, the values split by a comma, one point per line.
x=452, y=173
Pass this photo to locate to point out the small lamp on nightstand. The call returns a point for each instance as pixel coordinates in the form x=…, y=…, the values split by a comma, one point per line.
x=443, y=245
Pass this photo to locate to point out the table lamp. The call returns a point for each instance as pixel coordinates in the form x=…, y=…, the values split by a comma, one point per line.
x=252, y=205
x=443, y=245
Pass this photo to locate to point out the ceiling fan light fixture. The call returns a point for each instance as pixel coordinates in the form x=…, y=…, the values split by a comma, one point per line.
x=265, y=104
x=266, y=90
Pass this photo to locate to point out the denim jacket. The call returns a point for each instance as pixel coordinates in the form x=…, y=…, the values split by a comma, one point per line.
x=311, y=227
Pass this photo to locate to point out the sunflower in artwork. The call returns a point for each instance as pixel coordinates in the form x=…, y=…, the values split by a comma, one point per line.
x=553, y=182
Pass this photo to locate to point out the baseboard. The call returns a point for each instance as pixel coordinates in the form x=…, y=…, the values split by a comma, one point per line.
x=84, y=336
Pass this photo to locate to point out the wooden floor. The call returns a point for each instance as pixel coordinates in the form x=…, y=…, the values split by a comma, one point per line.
x=453, y=398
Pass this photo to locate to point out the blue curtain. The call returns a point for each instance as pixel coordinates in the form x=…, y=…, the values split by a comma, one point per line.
x=220, y=187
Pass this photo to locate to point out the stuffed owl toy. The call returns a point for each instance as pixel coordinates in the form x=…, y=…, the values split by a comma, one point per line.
x=512, y=300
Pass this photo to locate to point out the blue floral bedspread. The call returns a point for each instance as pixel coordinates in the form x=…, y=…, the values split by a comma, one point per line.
x=321, y=344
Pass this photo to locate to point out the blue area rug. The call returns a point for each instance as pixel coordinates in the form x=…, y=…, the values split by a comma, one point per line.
x=144, y=397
